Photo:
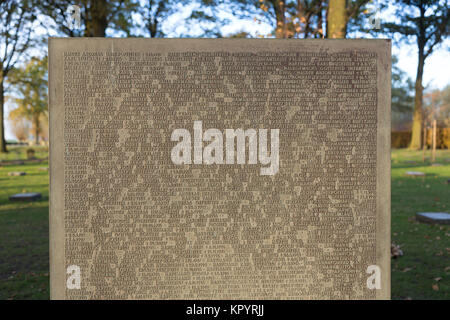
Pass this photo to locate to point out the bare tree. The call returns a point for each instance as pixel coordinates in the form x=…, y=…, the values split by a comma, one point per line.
x=427, y=22
x=16, y=27
x=153, y=12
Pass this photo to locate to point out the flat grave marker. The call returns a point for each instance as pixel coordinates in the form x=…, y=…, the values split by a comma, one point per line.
x=415, y=173
x=16, y=173
x=30, y=196
x=434, y=217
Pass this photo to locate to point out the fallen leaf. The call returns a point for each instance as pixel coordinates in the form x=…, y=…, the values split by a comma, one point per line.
x=435, y=287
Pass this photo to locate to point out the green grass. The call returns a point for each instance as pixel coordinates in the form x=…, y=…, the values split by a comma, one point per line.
x=425, y=263
x=20, y=153
x=426, y=248
x=24, y=262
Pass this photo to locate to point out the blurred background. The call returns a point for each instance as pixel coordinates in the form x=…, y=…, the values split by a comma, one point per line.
x=419, y=30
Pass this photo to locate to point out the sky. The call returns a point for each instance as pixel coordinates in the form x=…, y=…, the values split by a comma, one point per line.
x=437, y=66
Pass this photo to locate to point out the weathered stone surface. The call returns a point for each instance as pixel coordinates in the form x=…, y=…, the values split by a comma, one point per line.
x=152, y=199
x=434, y=217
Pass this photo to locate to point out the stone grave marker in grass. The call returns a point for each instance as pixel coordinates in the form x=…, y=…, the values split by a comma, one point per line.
x=30, y=196
x=436, y=165
x=433, y=217
x=415, y=173
x=16, y=173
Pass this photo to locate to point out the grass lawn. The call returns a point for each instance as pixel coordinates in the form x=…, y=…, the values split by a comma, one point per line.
x=24, y=230
x=423, y=272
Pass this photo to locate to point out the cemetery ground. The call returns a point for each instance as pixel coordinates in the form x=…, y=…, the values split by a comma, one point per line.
x=423, y=272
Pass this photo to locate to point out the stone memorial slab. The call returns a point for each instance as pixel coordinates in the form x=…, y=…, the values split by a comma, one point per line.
x=31, y=196
x=219, y=169
x=434, y=217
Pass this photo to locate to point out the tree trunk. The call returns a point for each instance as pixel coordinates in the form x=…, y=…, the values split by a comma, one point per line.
x=337, y=19
x=2, y=124
x=153, y=28
x=320, y=21
x=96, y=18
x=36, y=130
x=418, y=99
x=280, y=13
x=433, y=154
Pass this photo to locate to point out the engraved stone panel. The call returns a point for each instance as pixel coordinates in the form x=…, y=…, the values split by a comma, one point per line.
x=157, y=194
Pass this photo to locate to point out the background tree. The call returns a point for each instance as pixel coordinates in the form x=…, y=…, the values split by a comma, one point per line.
x=16, y=29
x=402, y=98
x=337, y=19
x=30, y=84
x=20, y=128
x=426, y=22
x=339, y=15
x=153, y=13
x=303, y=18
x=437, y=106
x=289, y=18
x=96, y=16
